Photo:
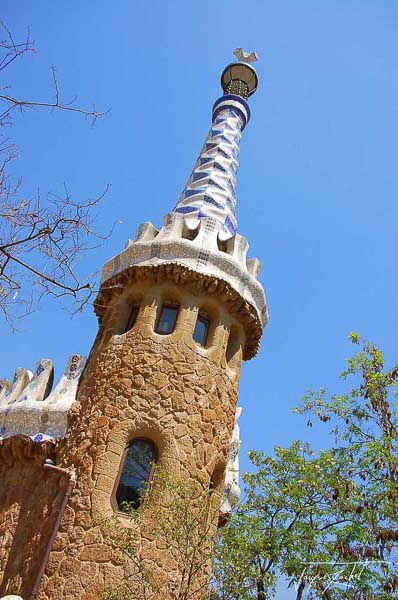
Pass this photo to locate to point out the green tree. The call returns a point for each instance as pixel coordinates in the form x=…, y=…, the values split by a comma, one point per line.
x=286, y=523
x=327, y=521
x=365, y=430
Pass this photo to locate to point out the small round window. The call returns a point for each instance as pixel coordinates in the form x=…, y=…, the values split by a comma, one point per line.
x=137, y=470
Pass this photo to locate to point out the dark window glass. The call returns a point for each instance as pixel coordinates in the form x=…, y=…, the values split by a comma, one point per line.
x=201, y=329
x=167, y=320
x=132, y=318
x=136, y=473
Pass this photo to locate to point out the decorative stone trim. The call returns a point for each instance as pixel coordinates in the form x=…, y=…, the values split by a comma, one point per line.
x=37, y=411
x=199, y=250
x=197, y=283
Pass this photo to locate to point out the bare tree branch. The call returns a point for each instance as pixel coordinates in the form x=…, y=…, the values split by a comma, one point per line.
x=41, y=239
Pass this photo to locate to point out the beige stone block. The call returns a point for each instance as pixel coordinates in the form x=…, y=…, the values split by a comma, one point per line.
x=113, y=575
x=181, y=430
x=87, y=572
x=94, y=536
x=105, y=483
x=96, y=553
x=83, y=519
x=54, y=562
x=111, y=411
x=195, y=422
x=69, y=566
x=67, y=520
x=209, y=415
x=94, y=589
x=54, y=588
x=102, y=421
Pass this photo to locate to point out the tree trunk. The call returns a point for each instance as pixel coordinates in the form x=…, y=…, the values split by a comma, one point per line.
x=300, y=590
x=260, y=590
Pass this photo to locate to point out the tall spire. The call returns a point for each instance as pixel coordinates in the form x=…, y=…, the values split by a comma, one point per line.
x=198, y=240
x=210, y=191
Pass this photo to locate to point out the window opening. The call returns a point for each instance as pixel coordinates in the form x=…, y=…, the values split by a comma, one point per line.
x=132, y=318
x=201, y=330
x=137, y=471
x=190, y=234
x=222, y=245
x=167, y=319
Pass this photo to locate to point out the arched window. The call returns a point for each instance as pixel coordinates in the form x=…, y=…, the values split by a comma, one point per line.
x=138, y=464
x=167, y=319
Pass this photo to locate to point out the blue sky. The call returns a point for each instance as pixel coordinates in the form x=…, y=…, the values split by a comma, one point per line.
x=317, y=186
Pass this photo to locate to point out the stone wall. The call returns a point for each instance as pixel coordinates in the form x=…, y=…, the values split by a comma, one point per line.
x=141, y=384
x=30, y=498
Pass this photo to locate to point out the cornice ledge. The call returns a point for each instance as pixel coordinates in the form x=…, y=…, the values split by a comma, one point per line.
x=198, y=283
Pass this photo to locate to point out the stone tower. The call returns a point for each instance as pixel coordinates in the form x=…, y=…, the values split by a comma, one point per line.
x=179, y=309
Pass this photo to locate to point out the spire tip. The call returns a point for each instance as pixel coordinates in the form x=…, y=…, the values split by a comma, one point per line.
x=246, y=57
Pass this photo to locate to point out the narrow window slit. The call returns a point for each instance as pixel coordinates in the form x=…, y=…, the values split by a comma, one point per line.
x=167, y=320
x=132, y=318
x=201, y=330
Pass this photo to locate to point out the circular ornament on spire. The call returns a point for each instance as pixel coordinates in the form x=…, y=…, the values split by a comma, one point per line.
x=240, y=79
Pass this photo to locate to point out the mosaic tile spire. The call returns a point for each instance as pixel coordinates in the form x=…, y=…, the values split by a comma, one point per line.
x=211, y=188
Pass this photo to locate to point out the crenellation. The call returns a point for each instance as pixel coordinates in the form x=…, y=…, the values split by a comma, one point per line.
x=21, y=379
x=41, y=383
x=201, y=254
x=38, y=411
x=240, y=250
x=4, y=387
x=145, y=232
x=253, y=266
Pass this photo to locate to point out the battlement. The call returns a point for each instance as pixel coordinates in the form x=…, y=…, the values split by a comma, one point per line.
x=200, y=249
x=30, y=406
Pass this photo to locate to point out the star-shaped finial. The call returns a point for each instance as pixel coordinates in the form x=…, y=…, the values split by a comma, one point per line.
x=247, y=57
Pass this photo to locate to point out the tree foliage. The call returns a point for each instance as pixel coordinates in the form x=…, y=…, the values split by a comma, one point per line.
x=326, y=521
x=41, y=238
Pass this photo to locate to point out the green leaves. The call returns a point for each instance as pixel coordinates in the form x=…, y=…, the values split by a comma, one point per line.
x=327, y=521
x=354, y=337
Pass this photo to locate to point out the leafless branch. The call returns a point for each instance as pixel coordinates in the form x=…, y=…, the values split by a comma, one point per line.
x=10, y=49
x=41, y=238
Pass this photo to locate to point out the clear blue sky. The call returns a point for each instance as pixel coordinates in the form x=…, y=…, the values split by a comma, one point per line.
x=317, y=187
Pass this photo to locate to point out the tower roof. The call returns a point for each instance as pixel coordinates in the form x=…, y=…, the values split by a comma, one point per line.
x=210, y=192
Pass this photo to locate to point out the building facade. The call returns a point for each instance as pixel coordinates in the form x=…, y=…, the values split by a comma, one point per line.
x=178, y=309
